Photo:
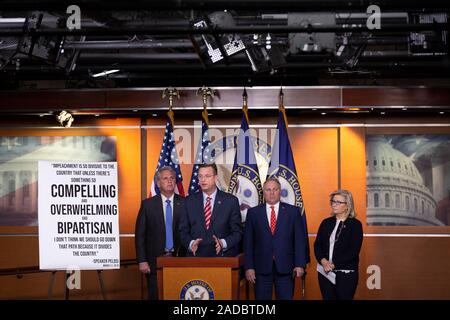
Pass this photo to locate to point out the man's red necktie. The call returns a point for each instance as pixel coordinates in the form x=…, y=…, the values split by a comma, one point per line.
x=273, y=220
x=207, y=211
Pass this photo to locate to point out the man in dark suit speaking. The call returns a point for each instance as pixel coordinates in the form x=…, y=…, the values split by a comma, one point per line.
x=274, y=245
x=157, y=228
x=211, y=223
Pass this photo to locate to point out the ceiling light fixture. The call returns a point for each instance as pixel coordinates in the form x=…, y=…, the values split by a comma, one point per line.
x=104, y=73
x=65, y=119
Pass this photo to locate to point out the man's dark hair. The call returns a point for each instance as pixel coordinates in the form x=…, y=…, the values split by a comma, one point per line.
x=209, y=165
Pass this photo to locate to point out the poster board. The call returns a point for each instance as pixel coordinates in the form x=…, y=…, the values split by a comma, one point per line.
x=78, y=215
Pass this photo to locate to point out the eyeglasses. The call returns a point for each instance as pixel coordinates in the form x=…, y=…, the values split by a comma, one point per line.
x=337, y=202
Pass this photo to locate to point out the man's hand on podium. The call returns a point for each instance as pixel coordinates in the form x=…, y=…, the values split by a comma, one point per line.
x=250, y=275
x=195, y=245
x=144, y=267
x=219, y=247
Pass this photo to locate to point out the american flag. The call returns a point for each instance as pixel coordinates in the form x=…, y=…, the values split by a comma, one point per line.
x=203, y=155
x=169, y=157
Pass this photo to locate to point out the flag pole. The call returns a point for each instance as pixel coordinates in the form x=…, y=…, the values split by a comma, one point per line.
x=281, y=106
x=169, y=148
x=203, y=153
x=245, y=104
x=282, y=109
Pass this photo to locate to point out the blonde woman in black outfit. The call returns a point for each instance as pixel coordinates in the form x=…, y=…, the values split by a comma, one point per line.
x=337, y=248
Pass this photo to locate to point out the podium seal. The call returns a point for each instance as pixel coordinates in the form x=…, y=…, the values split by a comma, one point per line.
x=196, y=290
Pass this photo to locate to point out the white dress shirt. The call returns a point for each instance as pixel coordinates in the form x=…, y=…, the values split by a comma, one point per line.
x=164, y=204
x=213, y=198
x=269, y=210
x=333, y=241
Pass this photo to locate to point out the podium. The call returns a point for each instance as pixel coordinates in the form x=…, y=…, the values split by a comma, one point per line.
x=192, y=278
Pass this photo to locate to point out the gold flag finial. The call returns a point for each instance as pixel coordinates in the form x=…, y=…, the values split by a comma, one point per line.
x=205, y=92
x=170, y=92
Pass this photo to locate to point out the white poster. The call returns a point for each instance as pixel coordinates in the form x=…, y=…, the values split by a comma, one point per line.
x=78, y=215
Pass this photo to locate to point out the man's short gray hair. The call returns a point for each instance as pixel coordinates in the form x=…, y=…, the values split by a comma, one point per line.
x=165, y=168
x=274, y=179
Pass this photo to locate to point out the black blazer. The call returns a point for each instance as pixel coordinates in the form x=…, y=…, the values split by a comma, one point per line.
x=225, y=224
x=346, y=249
x=150, y=233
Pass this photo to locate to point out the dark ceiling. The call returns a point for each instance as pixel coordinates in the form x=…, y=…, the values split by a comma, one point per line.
x=276, y=43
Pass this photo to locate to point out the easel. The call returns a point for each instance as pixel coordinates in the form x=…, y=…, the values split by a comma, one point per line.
x=67, y=290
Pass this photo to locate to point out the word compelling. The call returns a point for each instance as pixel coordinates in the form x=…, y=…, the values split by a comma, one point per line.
x=82, y=190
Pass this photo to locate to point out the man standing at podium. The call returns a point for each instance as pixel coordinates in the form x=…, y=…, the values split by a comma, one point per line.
x=157, y=228
x=211, y=222
x=274, y=245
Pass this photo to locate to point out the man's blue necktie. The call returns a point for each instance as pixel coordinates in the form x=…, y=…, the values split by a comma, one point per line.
x=169, y=233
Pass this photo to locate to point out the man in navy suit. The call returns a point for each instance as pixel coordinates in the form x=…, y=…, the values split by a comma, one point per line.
x=274, y=245
x=157, y=228
x=211, y=223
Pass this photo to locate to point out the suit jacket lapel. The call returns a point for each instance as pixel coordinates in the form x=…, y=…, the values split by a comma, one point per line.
x=265, y=220
x=217, y=205
x=160, y=216
x=281, y=217
x=200, y=209
x=176, y=211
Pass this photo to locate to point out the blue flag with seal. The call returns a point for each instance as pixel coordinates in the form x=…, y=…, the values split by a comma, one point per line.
x=282, y=166
x=245, y=182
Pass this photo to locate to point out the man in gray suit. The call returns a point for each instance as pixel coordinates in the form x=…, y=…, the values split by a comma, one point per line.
x=157, y=228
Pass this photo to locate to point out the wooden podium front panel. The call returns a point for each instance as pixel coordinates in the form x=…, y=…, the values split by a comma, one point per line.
x=219, y=279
